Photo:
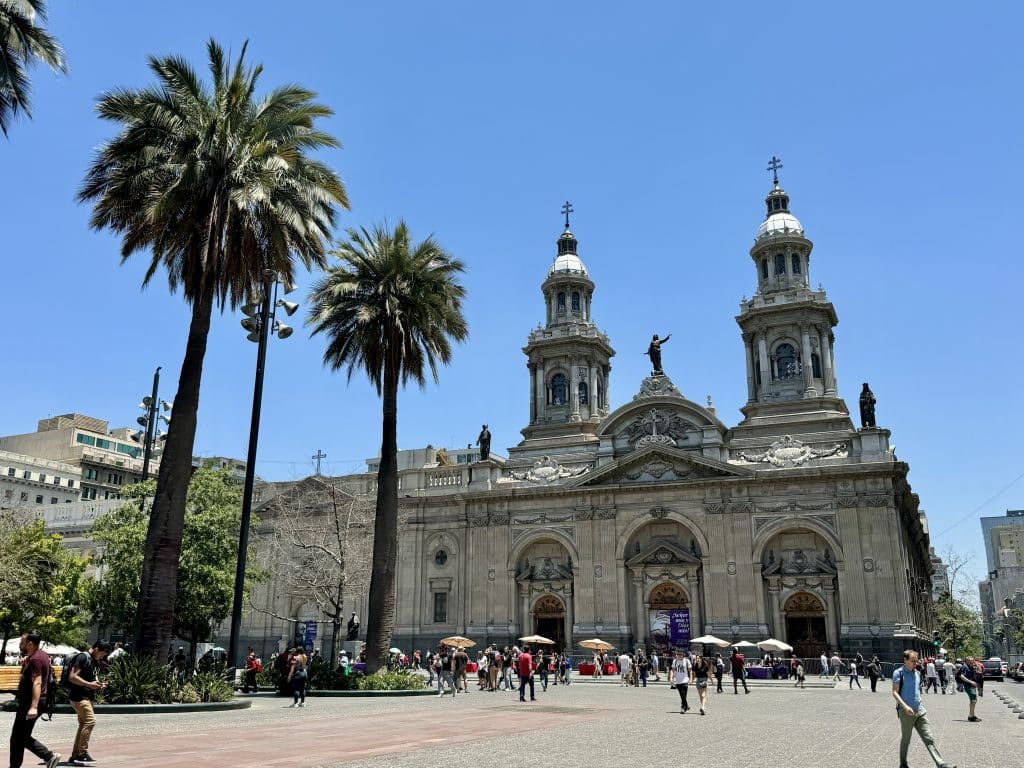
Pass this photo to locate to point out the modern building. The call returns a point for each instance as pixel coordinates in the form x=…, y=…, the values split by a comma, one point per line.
x=1004, y=538
x=106, y=459
x=27, y=481
x=1004, y=551
x=648, y=520
x=940, y=576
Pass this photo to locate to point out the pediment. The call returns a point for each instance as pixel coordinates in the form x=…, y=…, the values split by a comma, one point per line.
x=661, y=552
x=660, y=464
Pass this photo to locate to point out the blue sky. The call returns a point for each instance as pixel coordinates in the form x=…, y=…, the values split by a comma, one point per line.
x=899, y=129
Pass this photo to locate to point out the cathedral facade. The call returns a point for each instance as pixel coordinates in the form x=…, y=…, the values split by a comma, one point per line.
x=655, y=522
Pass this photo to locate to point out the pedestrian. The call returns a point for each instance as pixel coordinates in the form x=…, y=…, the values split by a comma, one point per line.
x=460, y=662
x=445, y=672
x=906, y=690
x=493, y=668
x=506, y=668
x=979, y=676
x=875, y=672
x=737, y=664
x=836, y=665
x=948, y=674
x=643, y=665
x=525, y=669
x=542, y=669
x=655, y=661
x=32, y=691
x=297, y=676
x=967, y=676
x=625, y=666
x=597, y=665
x=701, y=673
x=252, y=666
x=854, y=676
x=117, y=652
x=566, y=667
x=824, y=665
x=719, y=671
x=940, y=668
x=932, y=675
x=799, y=674
x=82, y=686
x=956, y=677
x=679, y=677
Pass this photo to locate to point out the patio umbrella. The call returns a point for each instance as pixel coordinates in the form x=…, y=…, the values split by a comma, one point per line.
x=711, y=640
x=743, y=644
x=596, y=644
x=458, y=640
x=394, y=650
x=537, y=640
x=774, y=645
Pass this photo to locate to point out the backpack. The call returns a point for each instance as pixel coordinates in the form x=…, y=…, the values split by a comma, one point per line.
x=66, y=666
x=47, y=705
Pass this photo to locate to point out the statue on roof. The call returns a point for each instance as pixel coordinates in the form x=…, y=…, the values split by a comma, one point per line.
x=484, y=441
x=654, y=352
x=867, y=407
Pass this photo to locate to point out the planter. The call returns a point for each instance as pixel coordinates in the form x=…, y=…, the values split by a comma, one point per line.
x=148, y=709
x=372, y=694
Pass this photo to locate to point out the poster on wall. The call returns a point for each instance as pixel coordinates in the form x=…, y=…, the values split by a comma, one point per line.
x=670, y=628
x=679, y=627
x=310, y=635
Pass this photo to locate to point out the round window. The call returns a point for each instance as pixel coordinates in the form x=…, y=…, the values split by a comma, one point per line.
x=440, y=557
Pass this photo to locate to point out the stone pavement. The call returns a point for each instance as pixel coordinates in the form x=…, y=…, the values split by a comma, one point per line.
x=580, y=725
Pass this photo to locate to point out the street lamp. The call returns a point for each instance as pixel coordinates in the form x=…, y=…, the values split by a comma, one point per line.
x=150, y=422
x=260, y=320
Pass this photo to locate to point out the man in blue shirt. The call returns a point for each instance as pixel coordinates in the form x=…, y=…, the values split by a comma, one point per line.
x=906, y=689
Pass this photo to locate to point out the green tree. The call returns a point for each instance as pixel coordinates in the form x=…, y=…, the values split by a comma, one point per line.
x=42, y=585
x=23, y=42
x=959, y=627
x=208, y=553
x=219, y=187
x=390, y=308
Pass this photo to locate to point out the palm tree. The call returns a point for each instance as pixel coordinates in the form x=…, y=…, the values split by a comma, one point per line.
x=22, y=43
x=217, y=184
x=389, y=308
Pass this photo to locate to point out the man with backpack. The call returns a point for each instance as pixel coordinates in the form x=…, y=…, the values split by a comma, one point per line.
x=33, y=691
x=906, y=689
x=79, y=679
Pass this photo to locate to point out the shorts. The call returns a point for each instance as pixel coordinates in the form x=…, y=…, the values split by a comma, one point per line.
x=702, y=683
x=972, y=692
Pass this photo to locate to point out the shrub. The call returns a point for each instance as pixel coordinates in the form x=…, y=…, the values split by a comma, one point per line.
x=210, y=686
x=391, y=681
x=138, y=680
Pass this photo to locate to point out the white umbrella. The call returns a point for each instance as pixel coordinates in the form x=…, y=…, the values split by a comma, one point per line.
x=711, y=640
x=49, y=648
x=743, y=644
x=596, y=644
x=537, y=640
x=774, y=645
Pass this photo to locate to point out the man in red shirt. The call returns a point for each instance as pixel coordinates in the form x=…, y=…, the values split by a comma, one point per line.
x=737, y=662
x=35, y=671
x=526, y=667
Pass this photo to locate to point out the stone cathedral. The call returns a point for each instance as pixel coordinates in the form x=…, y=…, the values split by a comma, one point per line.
x=652, y=521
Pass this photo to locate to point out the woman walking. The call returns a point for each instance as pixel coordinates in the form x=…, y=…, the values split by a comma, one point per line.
x=297, y=677
x=853, y=675
x=701, y=673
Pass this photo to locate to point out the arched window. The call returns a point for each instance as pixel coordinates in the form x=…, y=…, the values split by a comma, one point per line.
x=780, y=264
x=796, y=264
x=559, y=389
x=787, y=363
x=584, y=393
x=816, y=365
x=561, y=301
x=575, y=301
x=764, y=268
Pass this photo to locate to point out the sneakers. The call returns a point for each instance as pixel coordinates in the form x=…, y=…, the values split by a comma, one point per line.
x=84, y=759
x=974, y=719
x=54, y=761
x=702, y=710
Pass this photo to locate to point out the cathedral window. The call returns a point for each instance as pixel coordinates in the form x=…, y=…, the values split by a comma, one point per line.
x=584, y=394
x=440, y=607
x=441, y=556
x=787, y=363
x=780, y=264
x=559, y=389
x=575, y=301
x=816, y=365
x=796, y=264
x=764, y=268
x=561, y=301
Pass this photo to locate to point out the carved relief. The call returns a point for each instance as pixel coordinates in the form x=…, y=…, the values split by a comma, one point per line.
x=657, y=386
x=790, y=452
x=658, y=427
x=730, y=568
x=547, y=470
x=659, y=513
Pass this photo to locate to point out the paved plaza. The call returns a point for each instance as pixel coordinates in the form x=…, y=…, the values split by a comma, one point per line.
x=585, y=724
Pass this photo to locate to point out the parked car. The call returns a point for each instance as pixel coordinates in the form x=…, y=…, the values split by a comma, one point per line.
x=1016, y=672
x=993, y=669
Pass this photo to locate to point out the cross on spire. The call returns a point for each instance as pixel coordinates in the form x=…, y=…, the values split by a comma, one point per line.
x=567, y=209
x=316, y=457
x=773, y=165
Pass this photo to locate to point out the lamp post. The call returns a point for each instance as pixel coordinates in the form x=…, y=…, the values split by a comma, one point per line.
x=260, y=321
x=150, y=421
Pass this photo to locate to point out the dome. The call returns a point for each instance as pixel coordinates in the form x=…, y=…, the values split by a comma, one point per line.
x=567, y=262
x=780, y=223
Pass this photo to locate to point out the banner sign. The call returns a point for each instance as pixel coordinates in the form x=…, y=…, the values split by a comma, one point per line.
x=311, y=633
x=679, y=627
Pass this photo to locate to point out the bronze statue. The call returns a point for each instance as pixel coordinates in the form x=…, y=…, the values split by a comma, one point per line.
x=867, y=407
x=353, y=627
x=654, y=352
x=484, y=441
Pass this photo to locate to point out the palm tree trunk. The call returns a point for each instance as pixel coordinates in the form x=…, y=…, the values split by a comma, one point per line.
x=159, y=582
x=381, y=604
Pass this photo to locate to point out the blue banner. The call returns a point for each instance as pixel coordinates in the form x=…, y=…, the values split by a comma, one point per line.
x=311, y=633
x=679, y=627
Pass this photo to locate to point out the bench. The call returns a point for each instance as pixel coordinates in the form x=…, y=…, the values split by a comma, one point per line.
x=11, y=674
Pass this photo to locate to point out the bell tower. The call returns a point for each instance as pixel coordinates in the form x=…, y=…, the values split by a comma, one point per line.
x=788, y=331
x=567, y=356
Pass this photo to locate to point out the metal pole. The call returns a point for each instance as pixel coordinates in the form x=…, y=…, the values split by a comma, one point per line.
x=154, y=406
x=250, y=472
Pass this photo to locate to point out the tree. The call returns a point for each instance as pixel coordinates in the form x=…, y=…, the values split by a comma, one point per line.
x=390, y=308
x=23, y=43
x=41, y=588
x=218, y=185
x=318, y=548
x=959, y=626
x=209, y=550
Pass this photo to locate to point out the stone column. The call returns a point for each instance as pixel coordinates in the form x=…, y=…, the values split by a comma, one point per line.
x=574, y=387
x=533, y=392
x=640, y=628
x=827, y=374
x=808, y=368
x=766, y=371
x=775, y=605
x=592, y=394
x=748, y=345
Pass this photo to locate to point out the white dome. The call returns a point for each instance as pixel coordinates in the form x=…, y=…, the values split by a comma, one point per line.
x=567, y=262
x=779, y=224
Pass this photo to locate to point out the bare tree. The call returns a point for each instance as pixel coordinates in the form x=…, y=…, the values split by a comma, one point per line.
x=318, y=548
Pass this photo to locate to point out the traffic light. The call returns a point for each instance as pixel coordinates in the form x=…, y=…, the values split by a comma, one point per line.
x=935, y=640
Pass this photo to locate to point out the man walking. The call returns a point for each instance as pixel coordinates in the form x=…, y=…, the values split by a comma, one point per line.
x=82, y=687
x=932, y=677
x=525, y=669
x=906, y=689
x=719, y=671
x=679, y=677
x=967, y=677
x=824, y=665
x=625, y=666
x=836, y=664
x=35, y=672
x=948, y=674
x=875, y=672
x=739, y=673
x=460, y=661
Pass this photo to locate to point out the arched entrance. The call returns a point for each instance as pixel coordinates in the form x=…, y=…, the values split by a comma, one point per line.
x=549, y=619
x=664, y=601
x=805, y=625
